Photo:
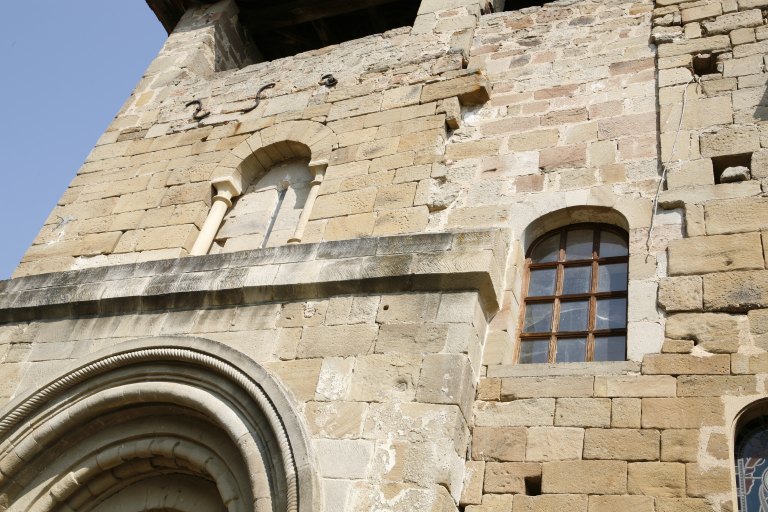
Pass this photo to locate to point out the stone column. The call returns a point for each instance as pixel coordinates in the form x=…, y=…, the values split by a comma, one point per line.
x=226, y=189
x=318, y=171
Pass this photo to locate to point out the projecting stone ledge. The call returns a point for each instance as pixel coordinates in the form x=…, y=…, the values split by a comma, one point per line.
x=425, y=262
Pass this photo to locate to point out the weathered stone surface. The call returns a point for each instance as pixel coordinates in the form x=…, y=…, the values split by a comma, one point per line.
x=585, y=477
x=509, y=477
x=656, y=478
x=684, y=364
x=735, y=174
x=621, y=444
x=635, y=386
x=736, y=291
x=554, y=443
x=498, y=443
x=730, y=140
x=732, y=21
x=682, y=293
x=533, y=412
x=679, y=445
x=574, y=502
x=623, y=503
x=700, y=255
x=471, y=90
x=525, y=387
x=472, y=488
x=736, y=215
x=583, y=412
x=625, y=412
x=664, y=504
x=714, y=332
x=681, y=412
x=707, y=481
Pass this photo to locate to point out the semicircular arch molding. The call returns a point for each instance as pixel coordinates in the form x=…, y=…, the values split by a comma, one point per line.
x=199, y=412
x=258, y=153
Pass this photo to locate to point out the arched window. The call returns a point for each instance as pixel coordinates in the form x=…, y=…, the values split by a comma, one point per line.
x=267, y=214
x=752, y=465
x=575, y=301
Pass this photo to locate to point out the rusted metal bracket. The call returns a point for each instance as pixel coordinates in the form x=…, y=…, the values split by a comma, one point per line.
x=258, y=98
x=197, y=116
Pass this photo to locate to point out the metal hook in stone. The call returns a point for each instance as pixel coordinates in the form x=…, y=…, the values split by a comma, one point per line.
x=328, y=80
x=197, y=116
x=258, y=98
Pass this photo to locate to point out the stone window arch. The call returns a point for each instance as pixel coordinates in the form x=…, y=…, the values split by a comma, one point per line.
x=574, y=295
x=190, y=416
x=751, y=459
x=284, y=149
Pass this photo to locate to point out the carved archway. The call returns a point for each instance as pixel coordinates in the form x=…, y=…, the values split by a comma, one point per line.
x=156, y=424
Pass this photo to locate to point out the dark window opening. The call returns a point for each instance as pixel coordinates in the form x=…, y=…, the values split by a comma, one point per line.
x=705, y=64
x=533, y=485
x=280, y=29
x=516, y=5
x=732, y=168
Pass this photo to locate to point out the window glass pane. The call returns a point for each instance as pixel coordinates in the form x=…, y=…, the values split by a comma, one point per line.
x=577, y=280
x=542, y=282
x=578, y=244
x=611, y=314
x=752, y=465
x=574, y=315
x=612, y=277
x=612, y=244
x=538, y=317
x=571, y=350
x=534, y=351
x=609, y=348
x=547, y=250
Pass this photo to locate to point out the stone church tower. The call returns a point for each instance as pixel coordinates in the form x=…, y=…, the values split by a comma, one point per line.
x=408, y=255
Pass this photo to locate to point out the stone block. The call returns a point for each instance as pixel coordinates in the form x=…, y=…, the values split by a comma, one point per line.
x=471, y=89
x=344, y=203
x=681, y=293
x=396, y=222
x=758, y=326
x=532, y=412
x=679, y=445
x=716, y=253
x=621, y=444
x=694, y=412
x=385, y=377
x=343, y=458
x=414, y=338
x=684, y=364
x=583, y=412
x=621, y=503
x=682, y=505
x=731, y=140
x=716, y=385
x=554, y=443
x=714, y=332
x=408, y=308
x=447, y=379
x=656, y=478
x=509, y=477
x=537, y=387
x=300, y=377
x=625, y=412
x=736, y=215
x=701, y=11
x=701, y=482
x=472, y=488
x=635, y=386
x=691, y=173
x=736, y=291
x=336, y=420
x=677, y=346
x=734, y=21
x=585, y=477
x=498, y=443
x=570, y=502
x=337, y=341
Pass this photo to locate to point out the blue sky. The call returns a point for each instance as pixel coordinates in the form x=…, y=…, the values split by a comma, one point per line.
x=66, y=69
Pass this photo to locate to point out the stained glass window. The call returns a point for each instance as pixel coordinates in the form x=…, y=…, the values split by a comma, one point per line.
x=752, y=466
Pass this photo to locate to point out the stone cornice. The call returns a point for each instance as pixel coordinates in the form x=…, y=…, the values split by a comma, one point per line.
x=426, y=262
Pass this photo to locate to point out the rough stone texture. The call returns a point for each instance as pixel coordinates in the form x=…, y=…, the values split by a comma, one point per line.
x=466, y=136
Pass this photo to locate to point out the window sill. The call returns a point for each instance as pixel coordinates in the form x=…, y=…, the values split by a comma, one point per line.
x=558, y=369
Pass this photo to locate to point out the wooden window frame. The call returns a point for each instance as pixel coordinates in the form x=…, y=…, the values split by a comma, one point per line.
x=592, y=296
